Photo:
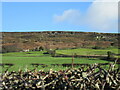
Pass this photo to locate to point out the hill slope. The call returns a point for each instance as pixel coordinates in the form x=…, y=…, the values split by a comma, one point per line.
x=18, y=41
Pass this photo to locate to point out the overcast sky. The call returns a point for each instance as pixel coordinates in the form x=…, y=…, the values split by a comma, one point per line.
x=96, y=16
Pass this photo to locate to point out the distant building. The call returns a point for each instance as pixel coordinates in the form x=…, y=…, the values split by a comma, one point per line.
x=27, y=50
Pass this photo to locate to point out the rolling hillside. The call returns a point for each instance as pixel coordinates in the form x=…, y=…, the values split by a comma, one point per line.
x=18, y=41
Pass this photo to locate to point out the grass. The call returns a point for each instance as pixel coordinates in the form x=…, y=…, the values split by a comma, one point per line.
x=23, y=62
x=34, y=53
x=87, y=51
x=25, y=59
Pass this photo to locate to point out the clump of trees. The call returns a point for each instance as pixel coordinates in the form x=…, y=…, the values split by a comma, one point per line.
x=51, y=52
x=38, y=49
x=96, y=47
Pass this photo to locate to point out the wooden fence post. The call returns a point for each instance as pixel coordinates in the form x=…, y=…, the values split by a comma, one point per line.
x=109, y=55
x=73, y=61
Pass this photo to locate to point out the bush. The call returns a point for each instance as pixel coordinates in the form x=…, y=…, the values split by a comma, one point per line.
x=96, y=47
x=51, y=52
x=41, y=48
x=45, y=53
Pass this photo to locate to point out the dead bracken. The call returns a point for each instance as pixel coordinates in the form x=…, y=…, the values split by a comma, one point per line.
x=92, y=77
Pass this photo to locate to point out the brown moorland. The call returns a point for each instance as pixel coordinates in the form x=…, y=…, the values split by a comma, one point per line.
x=18, y=41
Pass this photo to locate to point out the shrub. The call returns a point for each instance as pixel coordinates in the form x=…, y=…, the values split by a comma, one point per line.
x=51, y=52
x=41, y=48
x=96, y=47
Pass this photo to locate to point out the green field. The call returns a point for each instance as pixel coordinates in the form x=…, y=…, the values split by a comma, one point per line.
x=87, y=51
x=21, y=60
